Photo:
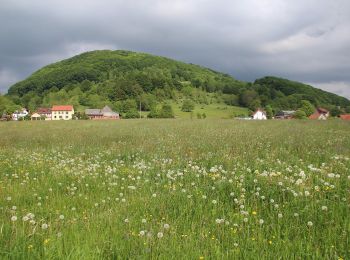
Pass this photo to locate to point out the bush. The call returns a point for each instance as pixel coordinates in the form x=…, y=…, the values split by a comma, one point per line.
x=187, y=106
x=300, y=114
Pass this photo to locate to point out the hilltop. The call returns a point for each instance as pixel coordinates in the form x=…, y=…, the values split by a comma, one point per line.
x=123, y=79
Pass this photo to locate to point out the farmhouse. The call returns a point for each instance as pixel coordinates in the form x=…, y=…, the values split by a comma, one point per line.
x=104, y=113
x=19, y=114
x=320, y=114
x=45, y=113
x=259, y=115
x=285, y=114
x=345, y=117
x=62, y=112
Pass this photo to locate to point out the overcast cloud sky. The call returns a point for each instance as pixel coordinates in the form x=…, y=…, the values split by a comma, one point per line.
x=303, y=40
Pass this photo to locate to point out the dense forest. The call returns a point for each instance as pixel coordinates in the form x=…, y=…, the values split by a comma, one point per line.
x=123, y=79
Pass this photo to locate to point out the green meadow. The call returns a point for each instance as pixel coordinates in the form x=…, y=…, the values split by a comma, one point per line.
x=175, y=189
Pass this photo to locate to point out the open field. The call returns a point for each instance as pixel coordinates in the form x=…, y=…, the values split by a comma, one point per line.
x=175, y=189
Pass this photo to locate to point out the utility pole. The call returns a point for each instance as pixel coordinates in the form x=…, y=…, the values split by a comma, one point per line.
x=140, y=109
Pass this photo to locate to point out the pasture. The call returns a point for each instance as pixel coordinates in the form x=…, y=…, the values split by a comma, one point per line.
x=175, y=189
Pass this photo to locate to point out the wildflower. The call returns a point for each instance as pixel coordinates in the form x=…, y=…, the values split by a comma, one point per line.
x=44, y=226
x=324, y=208
x=160, y=235
x=280, y=215
x=25, y=218
x=166, y=226
x=310, y=224
x=245, y=220
x=296, y=215
x=14, y=218
x=235, y=244
x=61, y=217
x=143, y=220
x=254, y=212
x=46, y=241
x=30, y=246
x=261, y=221
x=142, y=233
x=214, y=202
x=126, y=220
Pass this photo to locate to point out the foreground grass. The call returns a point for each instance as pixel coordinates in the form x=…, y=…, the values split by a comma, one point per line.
x=174, y=189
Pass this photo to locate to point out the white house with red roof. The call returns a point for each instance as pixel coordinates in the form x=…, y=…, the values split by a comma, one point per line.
x=259, y=115
x=65, y=112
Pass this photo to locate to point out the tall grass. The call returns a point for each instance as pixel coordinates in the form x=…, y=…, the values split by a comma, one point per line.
x=174, y=189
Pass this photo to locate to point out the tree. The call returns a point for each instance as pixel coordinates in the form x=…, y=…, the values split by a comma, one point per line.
x=199, y=115
x=187, y=106
x=307, y=107
x=166, y=111
x=335, y=112
x=269, y=112
x=300, y=114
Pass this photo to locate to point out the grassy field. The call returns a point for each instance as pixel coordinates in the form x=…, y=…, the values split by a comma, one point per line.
x=175, y=189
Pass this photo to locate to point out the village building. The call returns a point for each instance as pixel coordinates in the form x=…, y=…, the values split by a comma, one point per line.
x=35, y=116
x=4, y=117
x=45, y=113
x=285, y=114
x=259, y=115
x=104, y=113
x=345, y=117
x=320, y=114
x=20, y=114
x=65, y=112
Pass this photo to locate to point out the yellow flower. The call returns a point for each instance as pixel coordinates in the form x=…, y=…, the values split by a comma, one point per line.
x=30, y=246
x=254, y=212
x=270, y=242
x=201, y=257
x=46, y=241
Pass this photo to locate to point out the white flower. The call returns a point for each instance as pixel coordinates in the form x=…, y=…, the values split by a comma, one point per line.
x=14, y=218
x=126, y=220
x=61, y=217
x=261, y=221
x=166, y=226
x=310, y=224
x=44, y=226
x=280, y=215
x=296, y=215
x=235, y=244
x=214, y=201
x=142, y=233
x=154, y=195
x=25, y=218
x=143, y=220
x=245, y=219
x=324, y=208
x=160, y=235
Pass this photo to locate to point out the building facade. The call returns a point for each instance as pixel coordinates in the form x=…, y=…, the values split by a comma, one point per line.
x=62, y=112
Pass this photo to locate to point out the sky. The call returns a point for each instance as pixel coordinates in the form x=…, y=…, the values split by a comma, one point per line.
x=302, y=40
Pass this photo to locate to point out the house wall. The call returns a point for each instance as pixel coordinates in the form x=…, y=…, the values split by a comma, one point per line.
x=62, y=115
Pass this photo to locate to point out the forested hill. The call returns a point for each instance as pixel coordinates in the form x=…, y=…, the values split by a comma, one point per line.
x=96, y=78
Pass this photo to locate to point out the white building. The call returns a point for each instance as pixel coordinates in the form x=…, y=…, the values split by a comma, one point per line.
x=18, y=115
x=259, y=115
x=62, y=112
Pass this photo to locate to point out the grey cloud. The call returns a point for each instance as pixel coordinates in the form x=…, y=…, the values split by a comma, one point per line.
x=301, y=40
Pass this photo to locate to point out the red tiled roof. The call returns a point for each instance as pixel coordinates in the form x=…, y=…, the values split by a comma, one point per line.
x=44, y=110
x=62, y=108
x=345, y=117
x=322, y=110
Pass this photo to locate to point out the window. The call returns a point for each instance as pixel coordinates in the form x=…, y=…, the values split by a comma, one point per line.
x=67, y=113
x=66, y=117
x=55, y=116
